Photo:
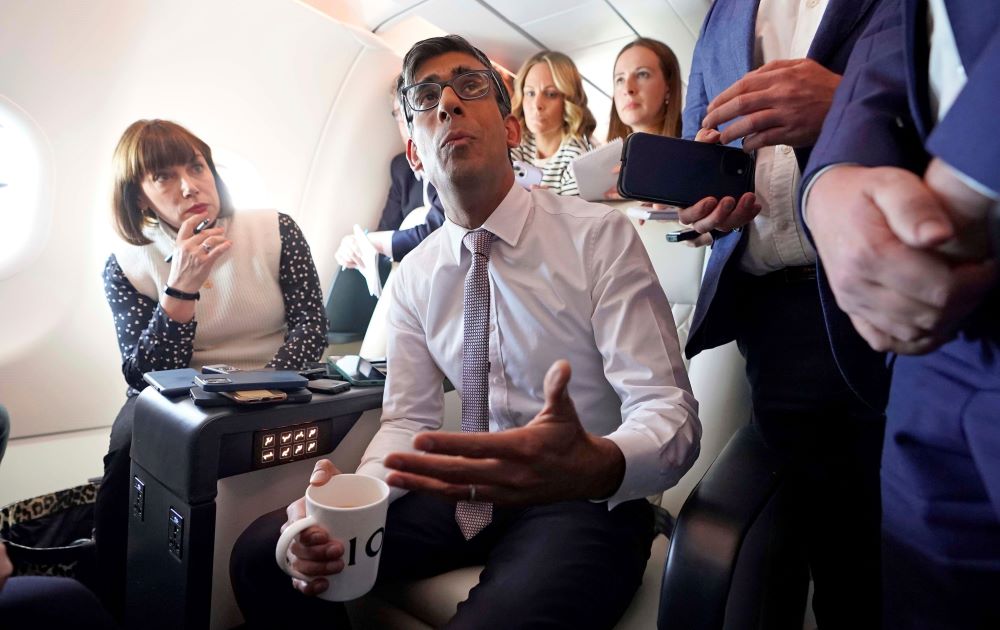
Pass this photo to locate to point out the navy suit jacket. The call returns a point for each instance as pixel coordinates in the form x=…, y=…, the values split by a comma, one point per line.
x=723, y=54
x=406, y=193
x=881, y=117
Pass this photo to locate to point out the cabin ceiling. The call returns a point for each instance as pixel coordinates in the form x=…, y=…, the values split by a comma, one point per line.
x=591, y=32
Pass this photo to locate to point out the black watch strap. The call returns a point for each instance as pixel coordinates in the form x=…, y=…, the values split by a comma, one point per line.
x=180, y=295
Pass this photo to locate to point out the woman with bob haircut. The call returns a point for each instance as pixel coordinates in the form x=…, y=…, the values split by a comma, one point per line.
x=241, y=290
x=647, y=91
x=556, y=124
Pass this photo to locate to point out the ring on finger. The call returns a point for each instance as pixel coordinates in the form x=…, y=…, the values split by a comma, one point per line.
x=472, y=492
x=207, y=248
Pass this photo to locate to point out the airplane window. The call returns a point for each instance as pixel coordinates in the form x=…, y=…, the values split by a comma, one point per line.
x=25, y=206
x=246, y=186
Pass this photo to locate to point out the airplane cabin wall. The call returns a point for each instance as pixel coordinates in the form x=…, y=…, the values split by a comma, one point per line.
x=275, y=87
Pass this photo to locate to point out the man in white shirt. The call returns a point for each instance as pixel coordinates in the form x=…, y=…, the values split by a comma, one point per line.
x=550, y=485
x=763, y=77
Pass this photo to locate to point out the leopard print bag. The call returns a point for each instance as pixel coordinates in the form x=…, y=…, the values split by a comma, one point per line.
x=52, y=534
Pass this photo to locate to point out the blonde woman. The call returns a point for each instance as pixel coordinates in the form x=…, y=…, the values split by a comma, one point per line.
x=647, y=91
x=556, y=124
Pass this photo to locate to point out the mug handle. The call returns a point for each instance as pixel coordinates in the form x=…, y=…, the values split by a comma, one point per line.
x=281, y=549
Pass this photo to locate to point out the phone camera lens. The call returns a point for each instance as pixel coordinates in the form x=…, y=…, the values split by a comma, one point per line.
x=733, y=163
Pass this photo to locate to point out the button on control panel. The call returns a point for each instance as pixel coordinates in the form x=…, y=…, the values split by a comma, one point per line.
x=273, y=447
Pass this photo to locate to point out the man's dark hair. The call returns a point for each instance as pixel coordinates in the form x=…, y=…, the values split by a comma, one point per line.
x=427, y=49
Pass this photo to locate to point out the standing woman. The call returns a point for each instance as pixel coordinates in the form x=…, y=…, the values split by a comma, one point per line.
x=647, y=94
x=556, y=124
x=243, y=291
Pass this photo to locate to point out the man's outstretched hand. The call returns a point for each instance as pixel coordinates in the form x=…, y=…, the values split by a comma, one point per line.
x=550, y=459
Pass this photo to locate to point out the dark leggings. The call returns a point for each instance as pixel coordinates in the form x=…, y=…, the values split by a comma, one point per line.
x=111, y=513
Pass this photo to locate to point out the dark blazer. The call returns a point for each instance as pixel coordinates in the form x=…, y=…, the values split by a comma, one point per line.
x=406, y=193
x=723, y=54
x=941, y=465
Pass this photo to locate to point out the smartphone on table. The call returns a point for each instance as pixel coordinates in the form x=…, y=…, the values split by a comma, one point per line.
x=255, y=396
x=328, y=386
x=358, y=371
x=682, y=172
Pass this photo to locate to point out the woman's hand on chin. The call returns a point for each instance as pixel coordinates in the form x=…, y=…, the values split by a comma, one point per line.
x=195, y=255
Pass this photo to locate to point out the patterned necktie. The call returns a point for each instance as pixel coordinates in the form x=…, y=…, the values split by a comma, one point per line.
x=473, y=516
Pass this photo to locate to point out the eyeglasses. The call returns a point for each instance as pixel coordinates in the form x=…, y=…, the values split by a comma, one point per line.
x=468, y=86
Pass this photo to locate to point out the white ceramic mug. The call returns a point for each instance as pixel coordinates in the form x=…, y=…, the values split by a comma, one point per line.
x=352, y=509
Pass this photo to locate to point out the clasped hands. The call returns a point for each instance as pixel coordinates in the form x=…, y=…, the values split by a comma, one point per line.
x=906, y=257
x=552, y=458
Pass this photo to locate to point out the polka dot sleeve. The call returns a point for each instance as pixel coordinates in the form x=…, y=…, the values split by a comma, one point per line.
x=300, y=289
x=147, y=338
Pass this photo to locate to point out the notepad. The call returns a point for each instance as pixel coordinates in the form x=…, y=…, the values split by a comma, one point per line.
x=594, y=171
x=648, y=214
x=369, y=262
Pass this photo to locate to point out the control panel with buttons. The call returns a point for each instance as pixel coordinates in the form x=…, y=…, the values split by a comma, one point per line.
x=272, y=447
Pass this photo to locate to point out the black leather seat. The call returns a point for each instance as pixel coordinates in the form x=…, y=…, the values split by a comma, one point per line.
x=734, y=561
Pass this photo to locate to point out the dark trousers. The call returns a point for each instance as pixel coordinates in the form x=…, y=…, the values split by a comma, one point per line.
x=831, y=439
x=111, y=513
x=941, y=485
x=566, y=565
x=51, y=602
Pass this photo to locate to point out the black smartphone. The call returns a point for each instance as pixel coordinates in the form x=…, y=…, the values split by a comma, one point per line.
x=682, y=172
x=328, y=386
x=313, y=373
x=202, y=398
x=682, y=235
x=219, y=368
x=358, y=372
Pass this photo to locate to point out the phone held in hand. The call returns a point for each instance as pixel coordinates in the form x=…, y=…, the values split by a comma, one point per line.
x=358, y=371
x=527, y=175
x=682, y=172
x=680, y=236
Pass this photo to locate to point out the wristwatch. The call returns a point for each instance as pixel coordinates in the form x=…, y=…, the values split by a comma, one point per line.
x=180, y=295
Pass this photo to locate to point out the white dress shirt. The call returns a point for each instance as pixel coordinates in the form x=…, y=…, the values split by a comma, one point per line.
x=569, y=280
x=946, y=77
x=784, y=30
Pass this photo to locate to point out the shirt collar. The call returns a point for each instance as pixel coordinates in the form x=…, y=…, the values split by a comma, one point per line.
x=507, y=221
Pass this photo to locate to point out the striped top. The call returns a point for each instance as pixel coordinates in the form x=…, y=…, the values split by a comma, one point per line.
x=557, y=175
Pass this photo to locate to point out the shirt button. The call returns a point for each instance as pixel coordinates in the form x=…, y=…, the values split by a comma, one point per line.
x=812, y=4
x=787, y=149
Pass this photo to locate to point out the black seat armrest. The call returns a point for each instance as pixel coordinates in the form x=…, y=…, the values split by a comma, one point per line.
x=711, y=529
